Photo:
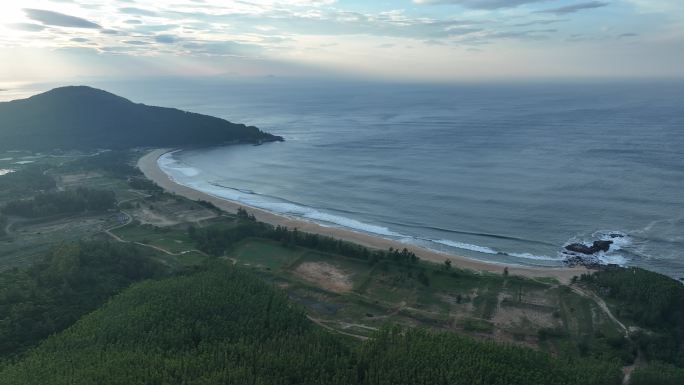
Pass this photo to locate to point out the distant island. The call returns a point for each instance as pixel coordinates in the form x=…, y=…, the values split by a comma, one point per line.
x=83, y=118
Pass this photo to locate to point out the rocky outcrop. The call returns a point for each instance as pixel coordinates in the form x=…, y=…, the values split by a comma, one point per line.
x=596, y=247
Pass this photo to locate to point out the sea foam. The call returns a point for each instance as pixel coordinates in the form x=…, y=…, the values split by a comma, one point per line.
x=168, y=163
x=535, y=257
x=465, y=246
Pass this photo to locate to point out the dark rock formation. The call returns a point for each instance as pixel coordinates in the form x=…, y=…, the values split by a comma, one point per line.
x=588, y=250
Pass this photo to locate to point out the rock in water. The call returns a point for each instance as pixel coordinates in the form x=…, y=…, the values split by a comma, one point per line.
x=601, y=245
x=593, y=249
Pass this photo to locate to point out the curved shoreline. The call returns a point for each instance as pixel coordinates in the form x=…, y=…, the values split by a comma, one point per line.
x=150, y=168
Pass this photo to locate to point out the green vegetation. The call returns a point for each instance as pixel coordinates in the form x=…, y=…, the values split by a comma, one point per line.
x=172, y=239
x=62, y=202
x=227, y=326
x=69, y=282
x=653, y=302
x=115, y=163
x=396, y=357
x=657, y=374
x=216, y=240
x=29, y=180
x=87, y=118
x=260, y=252
x=222, y=326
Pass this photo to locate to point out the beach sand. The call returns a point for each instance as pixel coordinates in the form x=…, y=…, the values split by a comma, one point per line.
x=149, y=166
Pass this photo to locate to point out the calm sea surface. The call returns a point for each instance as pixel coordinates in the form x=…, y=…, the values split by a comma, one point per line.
x=508, y=173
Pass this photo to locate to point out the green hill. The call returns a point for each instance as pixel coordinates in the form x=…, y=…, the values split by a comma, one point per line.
x=226, y=326
x=87, y=118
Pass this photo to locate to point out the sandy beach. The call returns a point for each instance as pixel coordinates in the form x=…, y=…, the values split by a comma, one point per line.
x=149, y=166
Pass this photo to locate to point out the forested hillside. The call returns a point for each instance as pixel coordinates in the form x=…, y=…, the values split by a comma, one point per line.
x=88, y=118
x=66, y=284
x=226, y=326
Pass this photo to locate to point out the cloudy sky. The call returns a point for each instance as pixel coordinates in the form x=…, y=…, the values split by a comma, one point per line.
x=436, y=40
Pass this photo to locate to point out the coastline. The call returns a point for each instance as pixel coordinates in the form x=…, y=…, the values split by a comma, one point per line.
x=150, y=168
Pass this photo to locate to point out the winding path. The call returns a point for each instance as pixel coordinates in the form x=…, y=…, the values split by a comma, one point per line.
x=602, y=304
x=129, y=219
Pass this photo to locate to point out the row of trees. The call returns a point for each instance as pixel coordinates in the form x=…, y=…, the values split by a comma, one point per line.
x=65, y=284
x=62, y=202
x=226, y=326
x=217, y=239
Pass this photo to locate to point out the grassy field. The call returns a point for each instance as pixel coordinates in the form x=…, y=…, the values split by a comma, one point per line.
x=173, y=239
x=264, y=254
x=353, y=297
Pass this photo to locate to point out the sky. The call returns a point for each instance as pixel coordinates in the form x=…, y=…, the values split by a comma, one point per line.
x=403, y=40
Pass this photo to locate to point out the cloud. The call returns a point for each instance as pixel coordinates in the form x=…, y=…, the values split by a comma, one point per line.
x=79, y=40
x=152, y=28
x=535, y=34
x=480, y=4
x=27, y=27
x=59, y=19
x=434, y=42
x=137, y=11
x=136, y=42
x=223, y=48
x=574, y=8
x=166, y=39
x=335, y=22
x=539, y=22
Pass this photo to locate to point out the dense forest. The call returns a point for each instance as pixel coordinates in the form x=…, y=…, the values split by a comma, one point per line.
x=87, y=118
x=226, y=326
x=67, y=283
x=61, y=202
x=653, y=302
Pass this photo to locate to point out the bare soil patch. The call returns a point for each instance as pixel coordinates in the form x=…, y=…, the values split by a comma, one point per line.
x=325, y=275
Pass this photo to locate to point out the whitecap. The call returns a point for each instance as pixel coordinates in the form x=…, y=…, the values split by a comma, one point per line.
x=465, y=246
x=170, y=164
x=535, y=257
x=612, y=259
x=286, y=208
x=620, y=239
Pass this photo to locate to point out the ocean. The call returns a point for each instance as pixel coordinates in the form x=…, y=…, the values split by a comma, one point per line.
x=500, y=172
